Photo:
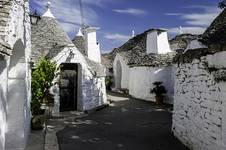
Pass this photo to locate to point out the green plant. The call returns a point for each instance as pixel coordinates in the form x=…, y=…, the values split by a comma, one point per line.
x=108, y=82
x=158, y=89
x=42, y=77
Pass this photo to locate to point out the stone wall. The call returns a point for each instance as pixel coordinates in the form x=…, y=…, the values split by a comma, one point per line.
x=141, y=79
x=94, y=93
x=199, y=117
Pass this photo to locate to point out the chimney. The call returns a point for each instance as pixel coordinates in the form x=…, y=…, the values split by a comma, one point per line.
x=157, y=42
x=91, y=45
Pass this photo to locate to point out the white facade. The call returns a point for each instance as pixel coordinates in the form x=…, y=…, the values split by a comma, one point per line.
x=157, y=42
x=138, y=80
x=3, y=100
x=91, y=89
x=92, y=46
x=200, y=106
x=15, y=80
x=141, y=79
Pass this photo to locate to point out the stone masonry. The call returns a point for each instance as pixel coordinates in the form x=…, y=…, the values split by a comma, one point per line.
x=199, y=106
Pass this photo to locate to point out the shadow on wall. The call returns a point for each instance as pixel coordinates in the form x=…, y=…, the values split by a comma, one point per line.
x=166, y=76
x=17, y=57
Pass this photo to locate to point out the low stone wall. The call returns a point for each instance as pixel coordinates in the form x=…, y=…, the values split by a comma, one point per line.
x=94, y=94
x=199, y=117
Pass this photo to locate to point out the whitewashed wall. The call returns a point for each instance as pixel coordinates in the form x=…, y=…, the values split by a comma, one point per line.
x=3, y=100
x=124, y=74
x=141, y=79
x=91, y=89
x=163, y=43
x=152, y=42
x=18, y=97
x=199, y=118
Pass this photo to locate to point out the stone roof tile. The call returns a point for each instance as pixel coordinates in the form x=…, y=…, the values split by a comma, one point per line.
x=216, y=32
x=80, y=44
x=5, y=6
x=5, y=49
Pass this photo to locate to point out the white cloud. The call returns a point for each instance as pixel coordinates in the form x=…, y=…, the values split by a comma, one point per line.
x=196, y=23
x=191, y=30
x=99, y=3
x=173, y=14
x=117, y=37
x=199, y=19
x=131, y=11
x=203, y=18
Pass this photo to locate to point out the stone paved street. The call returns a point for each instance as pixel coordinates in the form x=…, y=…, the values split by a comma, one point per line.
x=128, y=124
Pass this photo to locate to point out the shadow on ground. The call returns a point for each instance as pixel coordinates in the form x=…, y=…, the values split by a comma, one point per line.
x=128, y=124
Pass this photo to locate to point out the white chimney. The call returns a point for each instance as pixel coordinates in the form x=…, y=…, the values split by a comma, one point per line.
x=91, y=44
x=157, y=42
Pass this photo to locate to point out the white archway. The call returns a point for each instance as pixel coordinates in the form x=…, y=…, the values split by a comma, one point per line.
x=118, y=77
x=18, y=119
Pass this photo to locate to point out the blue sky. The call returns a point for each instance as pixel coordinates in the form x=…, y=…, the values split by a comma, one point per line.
x=117, y=18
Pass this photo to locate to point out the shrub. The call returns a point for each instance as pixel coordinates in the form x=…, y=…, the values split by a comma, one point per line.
x=108, y=82
x=42, y=77
x=158, y=89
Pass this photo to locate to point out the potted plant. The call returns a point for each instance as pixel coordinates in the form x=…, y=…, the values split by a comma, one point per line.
x=159, y=91
x=42, y=77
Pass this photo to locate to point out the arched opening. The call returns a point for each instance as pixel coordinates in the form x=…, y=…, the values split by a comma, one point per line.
x=17, y=115
x=118, y=77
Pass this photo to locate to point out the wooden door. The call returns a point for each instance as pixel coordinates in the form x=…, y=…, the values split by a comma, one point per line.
x=68, y=87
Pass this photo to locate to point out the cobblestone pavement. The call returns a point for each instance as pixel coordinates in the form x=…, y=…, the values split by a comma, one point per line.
x=128, y=124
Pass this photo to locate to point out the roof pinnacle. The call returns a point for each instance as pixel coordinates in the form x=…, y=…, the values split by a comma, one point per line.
x=48, y=12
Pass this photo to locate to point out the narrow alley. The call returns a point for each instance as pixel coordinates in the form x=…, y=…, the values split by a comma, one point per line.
x=128, y=124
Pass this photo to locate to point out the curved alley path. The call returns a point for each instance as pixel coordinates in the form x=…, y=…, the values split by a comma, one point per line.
x=128, y=124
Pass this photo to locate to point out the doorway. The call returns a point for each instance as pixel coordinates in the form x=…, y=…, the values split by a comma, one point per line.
x=118, y=74
x=68, y=87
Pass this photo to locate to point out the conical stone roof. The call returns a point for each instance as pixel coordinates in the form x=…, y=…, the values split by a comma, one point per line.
x=80, y=44
x=48, y=38
x=216, y=32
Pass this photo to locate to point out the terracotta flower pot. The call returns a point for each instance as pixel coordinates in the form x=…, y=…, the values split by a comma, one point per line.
x=38, y=122
x=159, y=100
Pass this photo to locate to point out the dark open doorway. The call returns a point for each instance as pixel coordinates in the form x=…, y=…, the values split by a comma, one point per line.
x=68, y=87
